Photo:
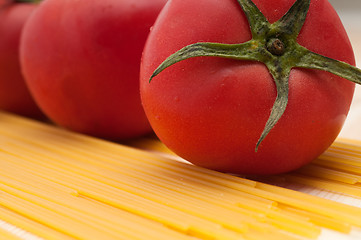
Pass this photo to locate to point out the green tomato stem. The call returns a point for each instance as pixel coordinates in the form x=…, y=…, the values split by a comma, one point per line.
x=276, y=46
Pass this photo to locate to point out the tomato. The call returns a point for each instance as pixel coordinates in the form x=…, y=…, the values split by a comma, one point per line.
x=212, y=111
x=81, y=61
x=14, y=94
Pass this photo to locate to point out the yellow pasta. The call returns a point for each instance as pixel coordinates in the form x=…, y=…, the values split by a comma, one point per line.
x=344, y=151
x=349, y=144
x=326, y=173
x=323, y=184
x=336, y=157
x=105, y=193
x=61, y=185
x=327, y=222
x=41, y=230
x=140, y=169
x=338, y=166
x=313, y=204
x=111, y=215
x=213, y=209
x=192, y=190
x=50, y=218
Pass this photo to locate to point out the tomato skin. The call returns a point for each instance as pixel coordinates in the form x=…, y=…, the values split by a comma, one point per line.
x=212, y=111
x=14, y=94
x=81, y=61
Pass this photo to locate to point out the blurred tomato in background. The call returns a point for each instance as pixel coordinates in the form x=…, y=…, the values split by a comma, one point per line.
x=81, y=61
x=14, y=95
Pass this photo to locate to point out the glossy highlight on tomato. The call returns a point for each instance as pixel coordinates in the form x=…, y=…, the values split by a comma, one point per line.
x=212, y=111
x=81, y=62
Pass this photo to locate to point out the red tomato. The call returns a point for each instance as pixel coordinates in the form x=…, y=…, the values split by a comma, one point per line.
x=14, y=94
x=211, y=111
x=81, y=62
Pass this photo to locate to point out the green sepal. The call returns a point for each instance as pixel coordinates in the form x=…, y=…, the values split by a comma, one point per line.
x=256, y=20
x=313, y=60
x=244, y=51
x=292, y=22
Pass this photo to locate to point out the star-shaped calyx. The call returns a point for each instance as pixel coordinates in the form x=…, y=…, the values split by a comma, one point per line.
x=276, y=46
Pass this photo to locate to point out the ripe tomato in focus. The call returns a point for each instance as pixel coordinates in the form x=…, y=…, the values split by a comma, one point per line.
x=81, y=62
x=14, y=94
x=211, y=111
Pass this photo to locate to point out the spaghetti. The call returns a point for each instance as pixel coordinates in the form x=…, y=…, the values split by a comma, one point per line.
x=56, y=184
